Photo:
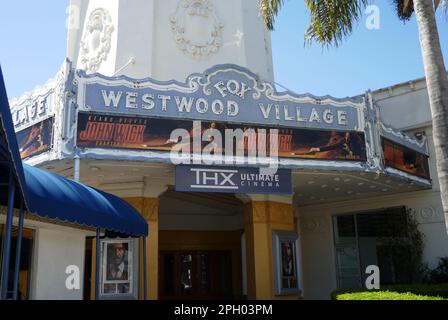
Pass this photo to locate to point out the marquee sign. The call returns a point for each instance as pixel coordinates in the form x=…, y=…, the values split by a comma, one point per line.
x=224, y=93
x=39, y=104
x=99, y=117
x=232, y=180
x=144, y=133
x=405, y=159
x=32, y=111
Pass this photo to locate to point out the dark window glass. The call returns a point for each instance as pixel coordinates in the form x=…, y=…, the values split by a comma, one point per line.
x=169, y=274
x=345, y=230
x=205, y=273
x=25, y=261
x=225, y=274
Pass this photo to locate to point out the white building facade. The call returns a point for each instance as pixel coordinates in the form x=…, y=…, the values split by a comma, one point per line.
x=406, y=107
x=133, y=63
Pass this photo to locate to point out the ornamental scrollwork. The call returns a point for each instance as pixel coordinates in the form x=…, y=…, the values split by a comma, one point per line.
x=196, y=28
x=96, y=40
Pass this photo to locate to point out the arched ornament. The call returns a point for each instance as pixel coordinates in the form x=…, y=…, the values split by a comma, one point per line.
x=196, y=28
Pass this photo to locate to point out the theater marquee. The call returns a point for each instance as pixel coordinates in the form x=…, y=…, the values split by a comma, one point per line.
x=79, y=115
x=224, y=93
x=133, y=119
x=120, y=132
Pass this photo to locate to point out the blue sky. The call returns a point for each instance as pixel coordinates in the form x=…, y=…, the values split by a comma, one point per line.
x=33, y=45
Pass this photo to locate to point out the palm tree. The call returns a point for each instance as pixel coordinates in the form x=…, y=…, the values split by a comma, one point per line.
x=333, y=20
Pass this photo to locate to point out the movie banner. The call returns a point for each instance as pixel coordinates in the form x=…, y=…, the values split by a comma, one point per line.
x=405, y=159
x=121, y=132
x=36, y=139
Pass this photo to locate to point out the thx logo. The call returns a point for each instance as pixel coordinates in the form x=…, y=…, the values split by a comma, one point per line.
x=215, y=179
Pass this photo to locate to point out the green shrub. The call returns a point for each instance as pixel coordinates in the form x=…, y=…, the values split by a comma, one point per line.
x=395, y=292
x=385, y=295
x=440, y=274
x=403, y=249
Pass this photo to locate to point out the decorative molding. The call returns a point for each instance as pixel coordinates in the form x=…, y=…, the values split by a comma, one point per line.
x=148, y=207
x=96, y=40
x=268, y=212
x=281, y=199
x=404, y=139
x=429, y=214
x=254, y=213
x=281, y=213
x=196, y=28
x=260, y=212
x=50, y=94
x=151, y=209
x=260, y=92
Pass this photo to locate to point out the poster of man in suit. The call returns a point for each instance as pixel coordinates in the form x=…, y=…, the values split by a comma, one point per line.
x=287, y=259
x=117, y=267
x=289, y=272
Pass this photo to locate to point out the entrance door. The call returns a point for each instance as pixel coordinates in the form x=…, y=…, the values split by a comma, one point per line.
x=195, y=275
x=346, y=249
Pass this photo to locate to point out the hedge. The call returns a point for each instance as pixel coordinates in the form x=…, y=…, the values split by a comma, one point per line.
x=396, y=292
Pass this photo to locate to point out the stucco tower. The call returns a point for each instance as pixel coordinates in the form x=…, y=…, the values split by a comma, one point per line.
x=167, y=39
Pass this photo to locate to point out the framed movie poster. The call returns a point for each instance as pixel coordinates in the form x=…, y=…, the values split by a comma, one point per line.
x=117, y=276
x=286, y=262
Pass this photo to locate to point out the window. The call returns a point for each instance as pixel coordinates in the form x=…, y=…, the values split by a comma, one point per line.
x=371, y=238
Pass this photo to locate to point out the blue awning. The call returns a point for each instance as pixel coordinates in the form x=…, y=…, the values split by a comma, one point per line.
x=53, y=197
x=9, y=151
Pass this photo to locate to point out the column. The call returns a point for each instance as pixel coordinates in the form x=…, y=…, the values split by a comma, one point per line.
x=149, y=209
x=262, y=215
x=148, y=206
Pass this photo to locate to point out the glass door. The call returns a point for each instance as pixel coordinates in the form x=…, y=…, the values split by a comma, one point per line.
x=195, y=275
x=374, y=238
x=346, y=250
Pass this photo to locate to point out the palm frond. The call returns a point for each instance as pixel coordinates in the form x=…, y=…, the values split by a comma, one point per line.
x=333, y=20
x=269, y=10
x=404, y=9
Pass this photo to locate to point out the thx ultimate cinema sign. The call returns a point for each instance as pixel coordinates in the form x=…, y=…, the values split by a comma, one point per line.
x=224, y=93
x=232, y=180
